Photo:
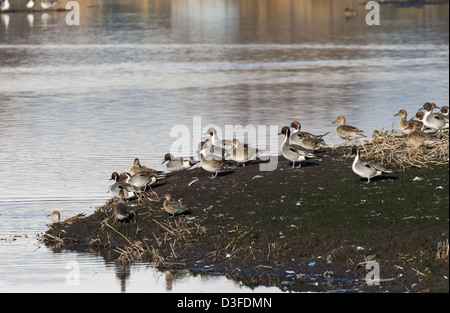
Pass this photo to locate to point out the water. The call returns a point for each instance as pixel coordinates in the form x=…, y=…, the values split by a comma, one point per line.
x=79, y=102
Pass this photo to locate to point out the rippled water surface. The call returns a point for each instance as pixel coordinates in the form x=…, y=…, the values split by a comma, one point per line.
x=79, y=102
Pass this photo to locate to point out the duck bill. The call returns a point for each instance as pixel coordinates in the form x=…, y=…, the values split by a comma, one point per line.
x=163, y=162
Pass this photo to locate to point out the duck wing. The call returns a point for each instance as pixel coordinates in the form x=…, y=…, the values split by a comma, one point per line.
x=301, y=151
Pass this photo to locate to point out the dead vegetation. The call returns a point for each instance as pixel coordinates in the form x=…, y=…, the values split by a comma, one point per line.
x=392, y=149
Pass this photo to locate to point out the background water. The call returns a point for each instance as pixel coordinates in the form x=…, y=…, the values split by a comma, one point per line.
x=79, y=102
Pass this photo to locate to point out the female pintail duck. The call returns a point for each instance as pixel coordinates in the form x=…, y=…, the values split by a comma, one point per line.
x=143, y=179
x=173, y=207
x=211, y=163
x=4, y=5
x=138, y=168
x=417, y=138
x=30, y=4
x=46, y=4
x=293, y=153
x=178, y=164
x=403, y=126
x=346, y=131
x=243, y=153
x=120, y=209
x=367, y=169
x=305, y=139
x=433, y=120
x=70, y=220
x=118, y=185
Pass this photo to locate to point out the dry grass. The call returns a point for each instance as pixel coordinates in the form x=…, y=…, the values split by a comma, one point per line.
x=392, y=149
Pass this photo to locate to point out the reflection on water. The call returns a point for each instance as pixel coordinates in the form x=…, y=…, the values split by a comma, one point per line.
x=79, y=102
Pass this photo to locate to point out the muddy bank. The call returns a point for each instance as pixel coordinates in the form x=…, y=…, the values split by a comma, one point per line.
x=285, y=226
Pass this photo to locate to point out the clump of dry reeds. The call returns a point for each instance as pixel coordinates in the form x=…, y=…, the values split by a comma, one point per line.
x=392, y=149
x=130, y=254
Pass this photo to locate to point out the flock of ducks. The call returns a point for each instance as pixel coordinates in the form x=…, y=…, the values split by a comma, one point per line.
x=30, y=4
x=218, y=156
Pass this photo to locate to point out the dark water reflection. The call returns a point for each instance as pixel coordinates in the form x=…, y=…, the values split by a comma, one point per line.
x=79, y=102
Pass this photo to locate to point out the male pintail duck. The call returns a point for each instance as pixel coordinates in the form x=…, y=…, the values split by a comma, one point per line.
x=120, y=209
x=173, y=207
x=30, y=4
x=129, y=190
x=444, y=110
x=420, y=115
x=142, y=180
x=403, y=126
x=433, y=120
x=4, y=5
x=211, y=162
x=138, y=168
x=346, y=131
x=417, y=138
x=243, y=153
x=293, y=153
x=367, y=169
x=305, y=139
x=46, y=4
x=213, y=151
x=225, y=143
x=178, y=164
x=70, y=220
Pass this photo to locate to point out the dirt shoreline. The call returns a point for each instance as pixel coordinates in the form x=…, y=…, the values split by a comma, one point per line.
x=310, y=228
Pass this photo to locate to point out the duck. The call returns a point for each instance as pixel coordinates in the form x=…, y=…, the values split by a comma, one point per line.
x=433, y=120
x=367, y=169
x=211, y=163
x=4, y=5
x=142, y=180
x=178, y=164
x=243, y=153
x=417, y=138
x=420, y=115
x=346, y=131
x=138, y=168
x=403, y=126
x=292, y=152
x=173, y=207
x=120, y=209
x=349, y=13
x=305, y=139
x=57, y=216
x=213, y=151
x=45, y=4
x=119, y=184
x=30, y=4
x=444, y=110
x=224, y=143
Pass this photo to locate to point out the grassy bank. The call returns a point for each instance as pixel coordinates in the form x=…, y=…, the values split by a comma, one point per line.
x=288, y=223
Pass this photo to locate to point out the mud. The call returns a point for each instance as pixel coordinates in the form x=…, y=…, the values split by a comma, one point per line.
x=316, y=227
